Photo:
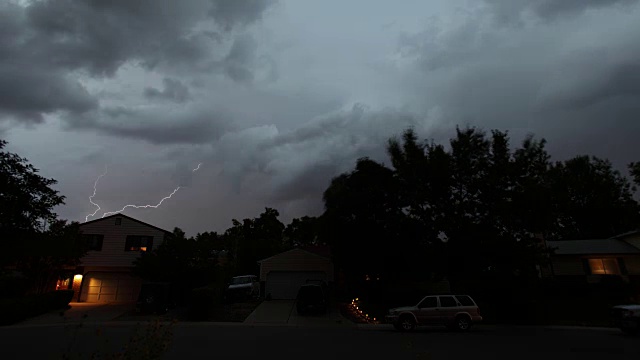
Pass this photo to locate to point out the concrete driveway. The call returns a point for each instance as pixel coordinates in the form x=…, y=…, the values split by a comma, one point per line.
x=283, y=312
x=85, y=312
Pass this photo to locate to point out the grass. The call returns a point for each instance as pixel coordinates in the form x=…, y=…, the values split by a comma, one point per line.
x=235, y=312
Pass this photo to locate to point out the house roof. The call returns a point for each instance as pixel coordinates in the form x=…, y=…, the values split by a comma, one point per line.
x=596, y=246
x=128, y=217
x=322, y=250
x=288, y=251
x=623, y=235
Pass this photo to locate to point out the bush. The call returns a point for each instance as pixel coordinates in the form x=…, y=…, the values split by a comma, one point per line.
x=12, y=286
x=14, y=310
x=202, y=301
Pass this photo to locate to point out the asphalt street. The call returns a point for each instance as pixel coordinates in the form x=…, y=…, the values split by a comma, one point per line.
x=206, y=340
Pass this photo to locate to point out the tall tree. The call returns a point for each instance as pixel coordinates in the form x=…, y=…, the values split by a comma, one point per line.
x=45, y=256
x=364, y=224
x=254, y=239
x=592, y=200
x=26, y=202
x=301, y=232
x=634, y=170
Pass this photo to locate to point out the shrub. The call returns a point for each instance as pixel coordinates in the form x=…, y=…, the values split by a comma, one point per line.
x=201, y=303
x=14, y=310
x=12, y=286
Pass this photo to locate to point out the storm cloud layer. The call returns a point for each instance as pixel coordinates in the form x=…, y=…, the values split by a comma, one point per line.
x=277, y=97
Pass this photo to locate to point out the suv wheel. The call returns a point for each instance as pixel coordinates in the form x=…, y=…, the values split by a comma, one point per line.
x=463, y=323
x=406, y=323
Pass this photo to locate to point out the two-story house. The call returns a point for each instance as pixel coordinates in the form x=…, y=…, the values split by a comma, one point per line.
x=114, y=242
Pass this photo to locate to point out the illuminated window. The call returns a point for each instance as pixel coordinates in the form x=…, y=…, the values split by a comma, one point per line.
x=608, y=266
x=138, y=243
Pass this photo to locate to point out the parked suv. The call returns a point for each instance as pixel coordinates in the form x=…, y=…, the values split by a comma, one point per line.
x=243, y=287
x=627, y=318
x=312, y=298
x=455, y=311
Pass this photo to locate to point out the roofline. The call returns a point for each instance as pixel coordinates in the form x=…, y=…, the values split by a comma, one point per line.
x=617, y=237
x=284, y=252
x=130, y=218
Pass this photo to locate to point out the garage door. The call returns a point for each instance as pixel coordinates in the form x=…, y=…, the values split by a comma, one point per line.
x=285, y=284
x=109, y=287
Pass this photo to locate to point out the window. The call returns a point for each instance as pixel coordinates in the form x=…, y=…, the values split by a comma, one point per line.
x=448, y=301
x=118, y=221
x=138, y=243
x=465, y=300
x=429, y=302
x=607, y=266
x=93, y=241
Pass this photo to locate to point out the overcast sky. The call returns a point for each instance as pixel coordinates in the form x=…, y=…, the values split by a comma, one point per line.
x=274, y=98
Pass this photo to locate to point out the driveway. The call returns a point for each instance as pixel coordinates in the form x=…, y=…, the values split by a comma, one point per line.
x=283, y=312
x=85, y=312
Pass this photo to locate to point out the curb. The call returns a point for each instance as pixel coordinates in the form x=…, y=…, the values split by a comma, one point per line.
x=380, y=327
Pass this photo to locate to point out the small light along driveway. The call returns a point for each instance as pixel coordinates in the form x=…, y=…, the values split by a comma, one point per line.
x=80, y=312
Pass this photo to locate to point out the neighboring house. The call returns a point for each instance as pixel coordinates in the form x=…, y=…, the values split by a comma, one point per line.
x=592, y=260
x=114, y=242
x=282, y=275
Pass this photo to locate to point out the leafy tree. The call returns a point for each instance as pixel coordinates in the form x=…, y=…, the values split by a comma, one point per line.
x=634, y=169
x=364, y=224
x=302, y=232
x=591, y=199
x=254, y=239
x=45, y=256
x=26, y=202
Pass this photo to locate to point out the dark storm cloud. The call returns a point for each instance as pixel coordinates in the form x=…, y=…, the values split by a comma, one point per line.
x=230, y=13
x=574, y=82
x=239, y=61
x=174, y=90
x=46, y=46
x=510, y=10
x=163, y=125
x=301, y=162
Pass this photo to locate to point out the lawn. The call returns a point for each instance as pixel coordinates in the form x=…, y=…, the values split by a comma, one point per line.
x=235, y=312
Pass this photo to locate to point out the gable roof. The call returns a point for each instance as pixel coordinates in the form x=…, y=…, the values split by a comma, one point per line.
x=596, y=246
x=292, y=250
x=322, y=250
x=623, y=235
x=128, y=217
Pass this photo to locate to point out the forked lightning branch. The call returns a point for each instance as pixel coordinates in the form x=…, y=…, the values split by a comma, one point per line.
x=95, y=187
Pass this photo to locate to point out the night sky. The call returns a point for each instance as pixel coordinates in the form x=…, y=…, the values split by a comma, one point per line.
x=274, y=98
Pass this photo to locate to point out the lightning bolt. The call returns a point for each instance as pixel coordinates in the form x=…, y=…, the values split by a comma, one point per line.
x=95, y=186
x=149, y=206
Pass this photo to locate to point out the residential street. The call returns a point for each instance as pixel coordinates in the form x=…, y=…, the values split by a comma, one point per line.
x=241, y=341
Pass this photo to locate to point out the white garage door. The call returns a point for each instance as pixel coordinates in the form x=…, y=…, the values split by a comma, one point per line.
x=110, y=287
x=285, y=284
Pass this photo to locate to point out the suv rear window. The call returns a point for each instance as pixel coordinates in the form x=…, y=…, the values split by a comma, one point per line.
x=465, y=300
x=448, y=301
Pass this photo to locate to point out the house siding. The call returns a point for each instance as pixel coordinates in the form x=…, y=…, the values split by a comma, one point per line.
x=632, y=264
x=568, y=266
x=296, y=261
x=112, y=253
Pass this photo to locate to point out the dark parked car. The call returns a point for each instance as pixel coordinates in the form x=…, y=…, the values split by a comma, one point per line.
x=243, y=287
x=311, y=299
x=156, y=298
x=626, y=318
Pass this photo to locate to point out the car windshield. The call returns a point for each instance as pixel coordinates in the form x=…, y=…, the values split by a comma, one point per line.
x=241, y=280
